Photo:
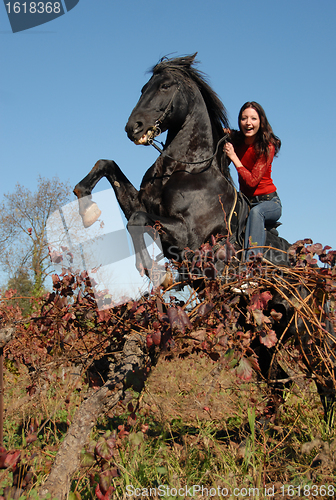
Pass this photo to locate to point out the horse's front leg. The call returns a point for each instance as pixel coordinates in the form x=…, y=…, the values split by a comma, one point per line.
x=125, y=192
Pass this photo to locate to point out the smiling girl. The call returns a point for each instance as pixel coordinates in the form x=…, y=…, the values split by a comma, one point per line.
x=252, y=151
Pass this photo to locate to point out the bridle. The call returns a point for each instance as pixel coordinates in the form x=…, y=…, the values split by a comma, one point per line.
x=156, y=130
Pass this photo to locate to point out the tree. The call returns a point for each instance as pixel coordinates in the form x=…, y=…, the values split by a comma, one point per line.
x=24, y=287
x=23, y=220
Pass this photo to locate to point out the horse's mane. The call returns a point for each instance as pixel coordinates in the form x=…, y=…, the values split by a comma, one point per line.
x=216, y=109
x=184, y=65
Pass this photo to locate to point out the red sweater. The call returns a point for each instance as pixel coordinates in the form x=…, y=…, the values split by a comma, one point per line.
x=255, y=178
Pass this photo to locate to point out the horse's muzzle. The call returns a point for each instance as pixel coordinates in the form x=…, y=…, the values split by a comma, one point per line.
x=139, y=135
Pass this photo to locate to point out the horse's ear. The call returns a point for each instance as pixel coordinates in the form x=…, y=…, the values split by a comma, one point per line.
x=189, y=60
x=192, y=57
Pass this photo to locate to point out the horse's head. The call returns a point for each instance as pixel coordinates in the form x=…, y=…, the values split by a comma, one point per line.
x=162, y=105
x=178, y=98
x=168, y=97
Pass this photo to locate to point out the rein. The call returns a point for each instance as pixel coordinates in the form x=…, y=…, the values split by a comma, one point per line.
x=151, y=142
x=155, y=177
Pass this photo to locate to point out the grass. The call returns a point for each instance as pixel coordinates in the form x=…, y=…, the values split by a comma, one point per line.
x=192, y=429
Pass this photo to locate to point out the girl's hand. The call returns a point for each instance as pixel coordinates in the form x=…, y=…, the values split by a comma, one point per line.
x=229, y=150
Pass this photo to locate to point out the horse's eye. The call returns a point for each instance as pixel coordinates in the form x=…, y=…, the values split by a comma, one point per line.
x=165, y=86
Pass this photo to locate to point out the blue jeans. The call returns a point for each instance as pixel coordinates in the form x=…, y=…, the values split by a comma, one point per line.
x=261, y=214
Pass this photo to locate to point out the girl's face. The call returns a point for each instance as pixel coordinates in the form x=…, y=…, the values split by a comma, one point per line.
x=249, y=124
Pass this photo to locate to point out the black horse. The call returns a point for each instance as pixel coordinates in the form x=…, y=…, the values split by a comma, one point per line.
x=188, y=192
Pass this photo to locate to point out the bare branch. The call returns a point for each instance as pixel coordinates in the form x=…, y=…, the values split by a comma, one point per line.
x=23, y=220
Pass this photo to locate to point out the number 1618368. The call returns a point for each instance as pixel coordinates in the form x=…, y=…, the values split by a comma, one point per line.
x=309, y=490
x=33, y=7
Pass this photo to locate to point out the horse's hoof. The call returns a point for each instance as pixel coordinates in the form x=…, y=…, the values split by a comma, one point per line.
x=91, y=215
x=159, y=276
x=167, y=280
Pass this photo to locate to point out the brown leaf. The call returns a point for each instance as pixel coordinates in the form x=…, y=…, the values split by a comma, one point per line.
x=104, y=448
x=199, y=334
x=269, y=339
x=260, y=300
x=244, y=370
x=276, y=315
x=259, y=317
x=178, y=319
x=156, y=337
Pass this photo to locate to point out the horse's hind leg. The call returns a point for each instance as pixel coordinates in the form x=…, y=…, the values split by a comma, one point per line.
x=172, y=237
x=125, y=192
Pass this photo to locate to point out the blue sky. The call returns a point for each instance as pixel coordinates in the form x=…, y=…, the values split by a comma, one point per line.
x=67, y=88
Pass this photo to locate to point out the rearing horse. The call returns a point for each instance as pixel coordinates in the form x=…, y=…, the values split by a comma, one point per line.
x=188, y=190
